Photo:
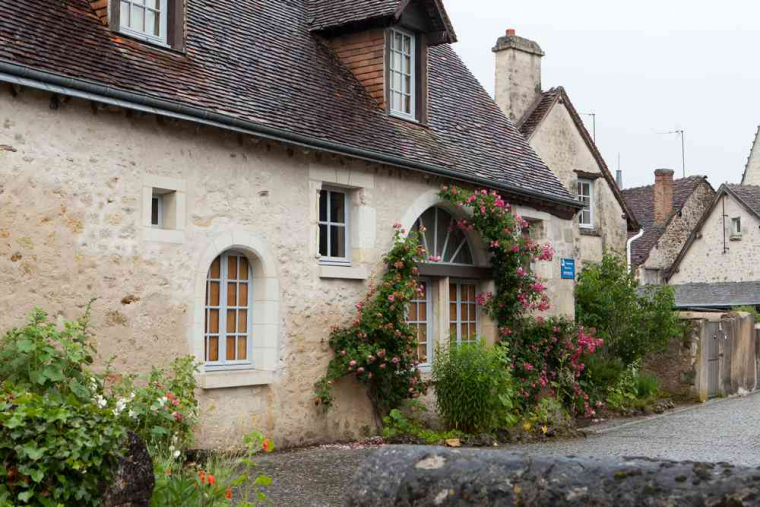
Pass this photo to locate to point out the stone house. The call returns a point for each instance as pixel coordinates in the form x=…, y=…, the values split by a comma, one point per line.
x=224, y=178
x=553, y=127
x=719, y=265
x=668, y=212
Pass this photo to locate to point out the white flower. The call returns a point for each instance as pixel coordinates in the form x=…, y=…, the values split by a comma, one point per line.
x=175, y=439
x=132, y=414
x=132, y=396
x=163, y=400
x=176, y=454
x=171, y=448
x=101, y=401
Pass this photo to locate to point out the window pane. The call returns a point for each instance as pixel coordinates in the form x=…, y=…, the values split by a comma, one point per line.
x=243, y=294
x=407, y=65
x=423, y=312
x=213, y=317
x=244, y=274
x=124, y=13
x=242, y=321
x=138, y=2
x=337, y=207
x=407, y=45
x=323, y=240
x=151, y=22
x=412, y=312
x=397, y=81
x=397, y=101
x=153, y=4
x=242, y=348
x=337, y=241
x=407, y=84
x=323, y=205
x=213, y=349
x=423, y=294
x=231, y=294
x=213, y=299
x=453, y=332
x=154, y=211
x=397, y=40
x=215, y=271
x=232, y=268
x=231, y=321
x=452, y=293
x=138, y=14
x=407, y=104
x=231, y=348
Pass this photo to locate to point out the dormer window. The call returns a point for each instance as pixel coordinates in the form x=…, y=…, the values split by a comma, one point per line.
x=402, y=74
x=144, y=19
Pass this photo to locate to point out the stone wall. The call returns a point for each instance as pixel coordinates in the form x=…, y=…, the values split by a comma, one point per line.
x=560, y=145
x=676, y=366
x=75, y=199
x=706, y=261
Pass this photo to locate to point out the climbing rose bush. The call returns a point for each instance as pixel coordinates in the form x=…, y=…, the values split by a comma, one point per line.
x=378, y=347
x=519, y=291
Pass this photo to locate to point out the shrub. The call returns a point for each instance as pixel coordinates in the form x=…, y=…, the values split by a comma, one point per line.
x=59, y=436
x=55, y=450
x=631, y=388
x=161, y=408
x=548, y=358
x=631, y=324
x=473, y=387
x=647, y=387
x=396, y=426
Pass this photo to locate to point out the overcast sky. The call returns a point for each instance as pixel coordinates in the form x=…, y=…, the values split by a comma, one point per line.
x=643, y=67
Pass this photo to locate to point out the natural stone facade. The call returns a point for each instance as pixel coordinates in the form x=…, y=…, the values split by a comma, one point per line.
x=715, y=254
x=75, y=224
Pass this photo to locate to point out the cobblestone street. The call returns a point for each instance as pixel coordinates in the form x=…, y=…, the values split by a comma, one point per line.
x=721, y=430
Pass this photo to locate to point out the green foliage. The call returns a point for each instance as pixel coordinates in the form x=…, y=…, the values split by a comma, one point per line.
x=473, y=387
x=59, y=438
x=749, y=309
x=226, y=479
x=549, y=412
x=396, y=426
x=631, y=388
x=378, y=348
x=43, y=359
x=631, y=324
x=55, y=450
x=161, y=408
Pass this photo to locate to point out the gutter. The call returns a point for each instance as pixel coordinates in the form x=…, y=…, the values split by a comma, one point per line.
x=57, y=84
x=628, y=245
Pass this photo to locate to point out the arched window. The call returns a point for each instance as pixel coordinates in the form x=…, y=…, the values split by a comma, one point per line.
x=229, y=296
x=442, y=238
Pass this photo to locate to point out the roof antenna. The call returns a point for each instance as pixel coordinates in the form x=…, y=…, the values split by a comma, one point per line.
x=593, y=118
x=681, y=133
x=619, y=175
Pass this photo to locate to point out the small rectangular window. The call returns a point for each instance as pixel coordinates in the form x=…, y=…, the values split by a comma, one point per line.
x=736, y=226
x=144, y=19
x=586, y=196
x=157, y=211
x=402, y=75
x=333, y=226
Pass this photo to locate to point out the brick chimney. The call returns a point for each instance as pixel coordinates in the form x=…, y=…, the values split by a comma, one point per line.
x=663, y=195
x=518, y=74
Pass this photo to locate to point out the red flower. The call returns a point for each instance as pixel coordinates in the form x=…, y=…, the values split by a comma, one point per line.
x=211, y=479
x=267, y=445
x=228, y=494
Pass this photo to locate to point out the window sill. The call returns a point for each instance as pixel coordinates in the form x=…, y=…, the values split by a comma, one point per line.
x=736, y=237
x=151, y=42
x=232, y=378
x=590, y=231
x=343, y=272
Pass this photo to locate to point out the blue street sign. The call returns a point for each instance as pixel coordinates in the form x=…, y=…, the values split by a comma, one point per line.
x=567, y=268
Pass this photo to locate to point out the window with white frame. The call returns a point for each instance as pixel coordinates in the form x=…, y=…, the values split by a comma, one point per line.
x=586, y=196
x=333, y=226
x=441, y=237
x=736, y=226
x=229, y=301
x=145, y=19
x=402, y=76
x=463, y=312
x=420, y=318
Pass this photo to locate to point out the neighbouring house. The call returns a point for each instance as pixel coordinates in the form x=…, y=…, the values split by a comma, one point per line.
x=225, y=176
x=553, y=127
x=751, y=175
x=668, y=212
x=719, y=265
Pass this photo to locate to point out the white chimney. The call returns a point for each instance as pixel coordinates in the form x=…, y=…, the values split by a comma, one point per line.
x=518, y=74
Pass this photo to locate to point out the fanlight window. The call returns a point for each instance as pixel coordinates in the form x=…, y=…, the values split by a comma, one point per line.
x=443, y=240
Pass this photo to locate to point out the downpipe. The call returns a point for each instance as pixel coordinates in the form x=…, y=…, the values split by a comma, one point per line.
x=628, y=246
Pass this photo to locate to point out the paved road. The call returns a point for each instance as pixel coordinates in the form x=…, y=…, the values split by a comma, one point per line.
x=721, y=430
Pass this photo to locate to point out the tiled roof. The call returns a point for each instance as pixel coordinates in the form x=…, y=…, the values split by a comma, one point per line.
x=748, y=194
x=536, y=115
x=641, y=202
x=721, y=295
x=332, y=13
x=256, y=61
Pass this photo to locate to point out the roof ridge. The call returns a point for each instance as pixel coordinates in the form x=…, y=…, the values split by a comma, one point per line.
x=694, y=176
